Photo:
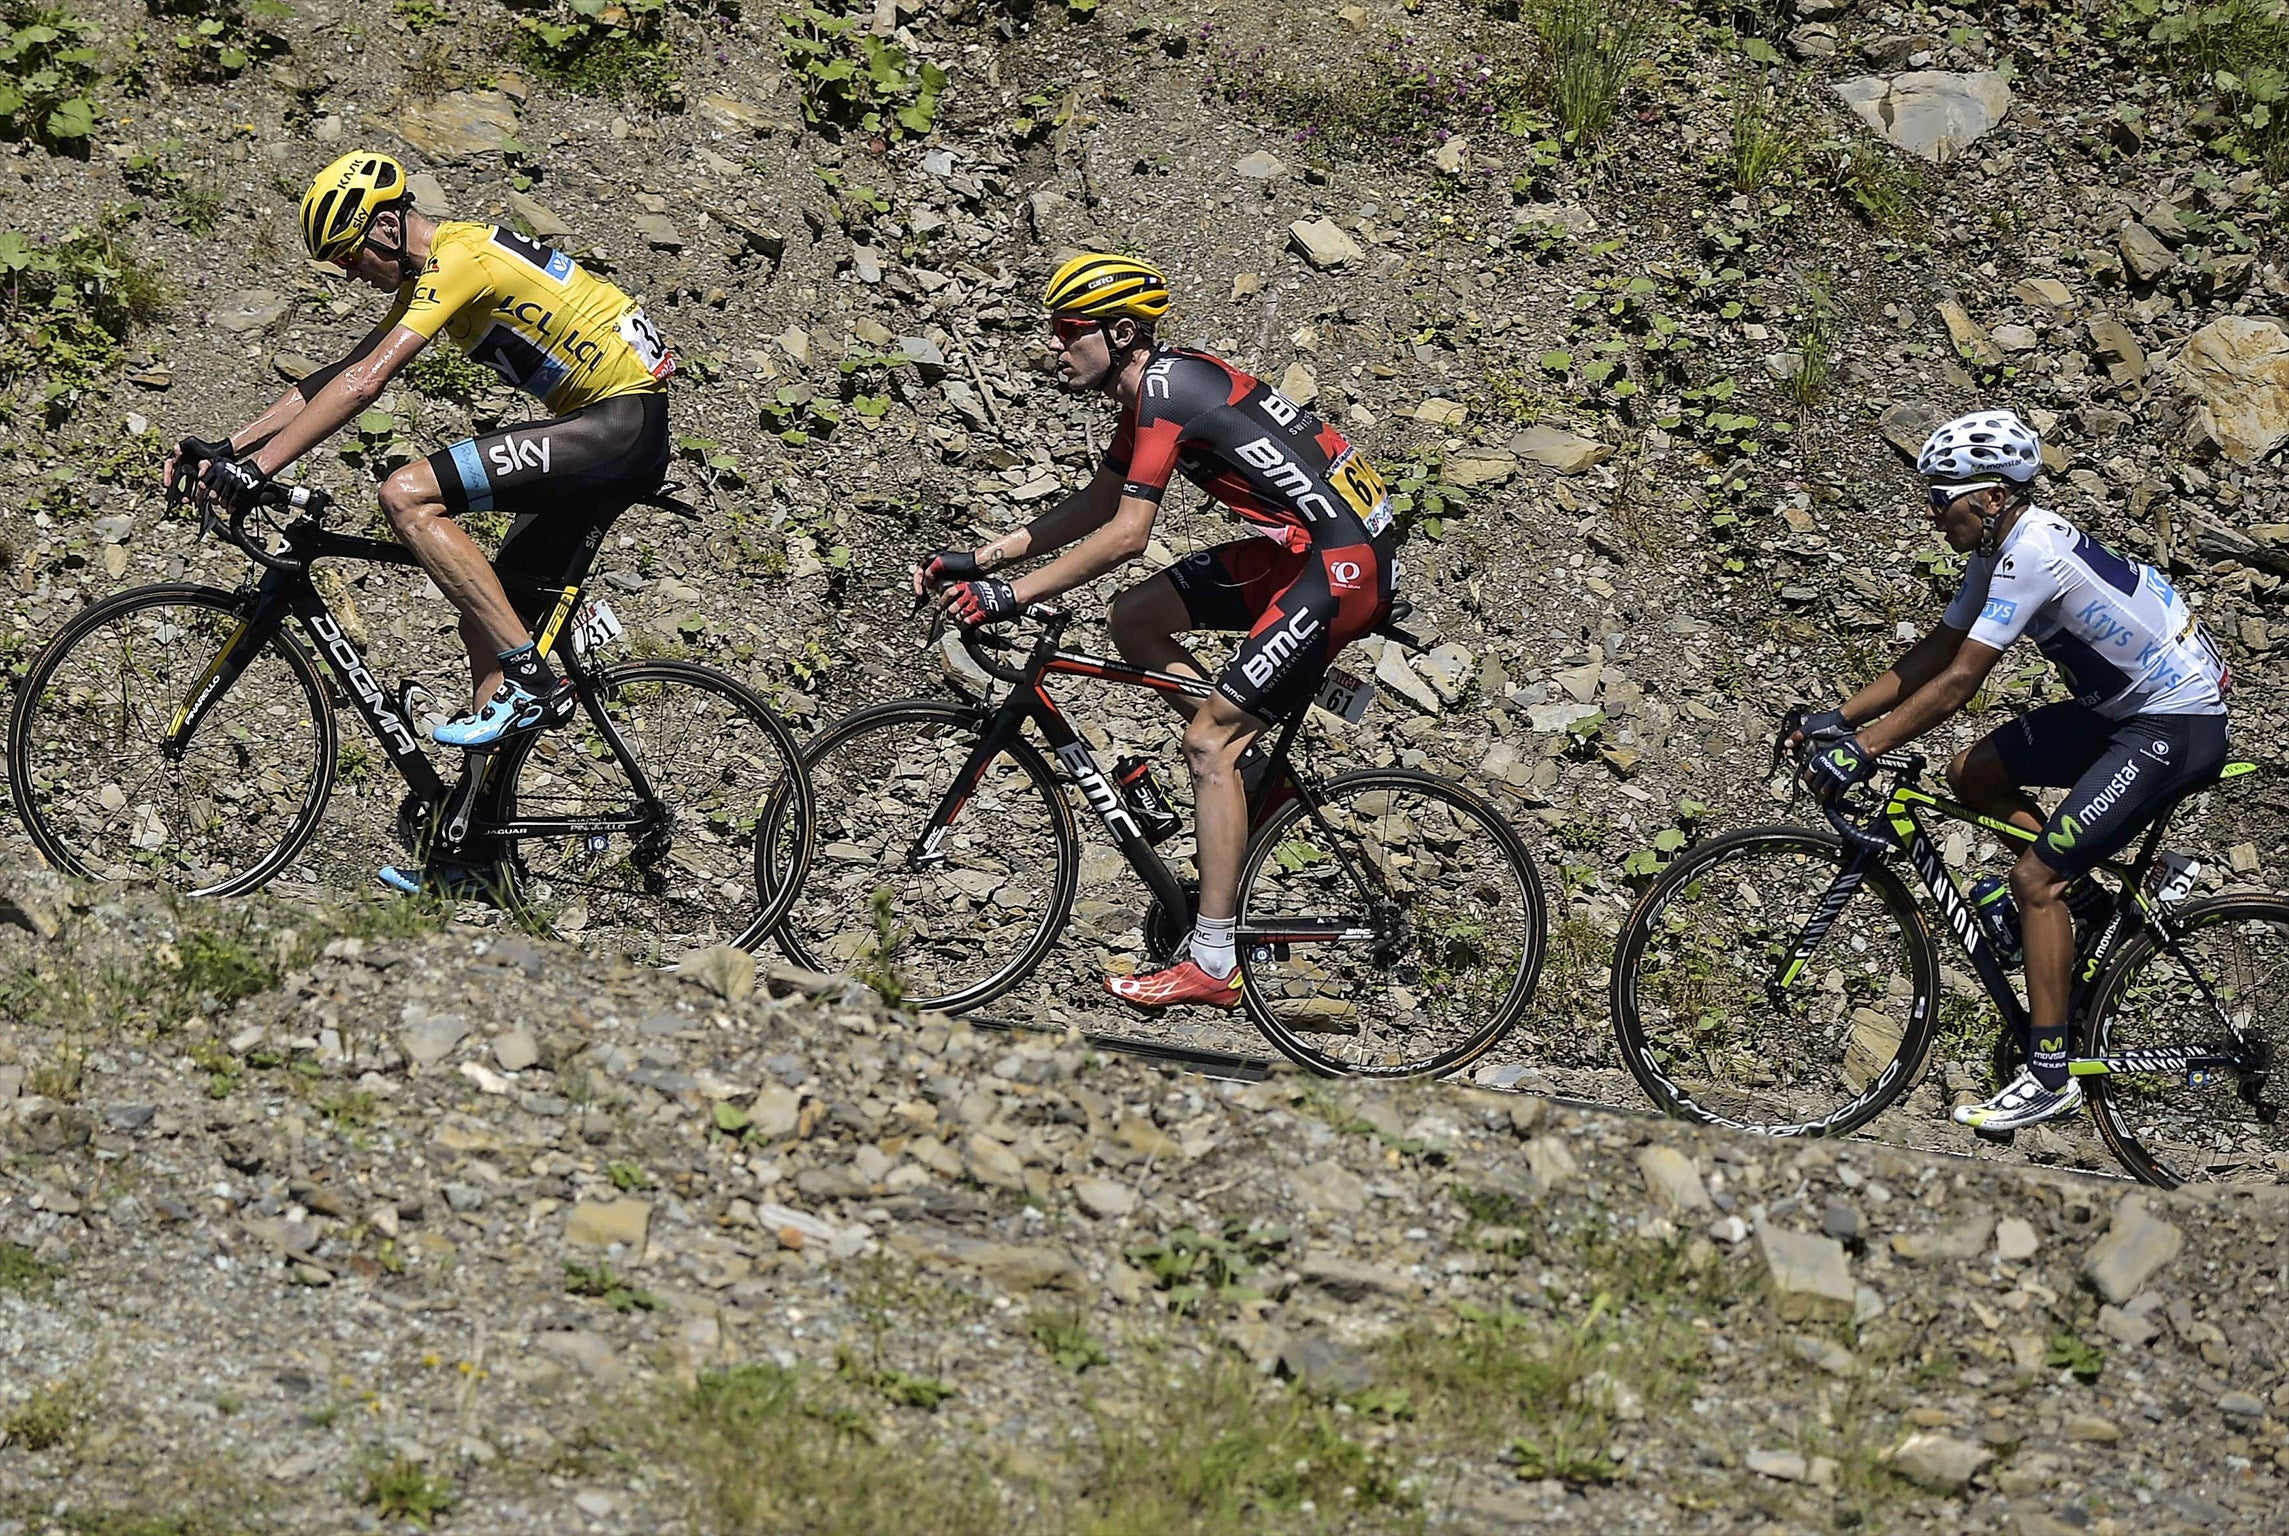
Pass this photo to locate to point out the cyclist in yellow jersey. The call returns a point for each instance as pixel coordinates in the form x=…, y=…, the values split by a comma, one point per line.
x=572, y=340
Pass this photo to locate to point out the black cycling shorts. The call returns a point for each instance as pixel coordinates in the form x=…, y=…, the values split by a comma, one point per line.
x=1298, y=609
x=561, y=483
x=2118, y=774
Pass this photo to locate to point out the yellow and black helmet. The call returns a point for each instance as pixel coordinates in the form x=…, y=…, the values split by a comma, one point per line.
x=1105, y=287
x=340, y=206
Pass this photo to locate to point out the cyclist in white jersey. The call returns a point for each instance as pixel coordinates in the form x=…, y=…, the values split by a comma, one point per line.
x=2146, y=725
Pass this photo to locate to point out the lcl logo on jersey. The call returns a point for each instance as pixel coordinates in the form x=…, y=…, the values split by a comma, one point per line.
x=513, y=453
x=1343, y=575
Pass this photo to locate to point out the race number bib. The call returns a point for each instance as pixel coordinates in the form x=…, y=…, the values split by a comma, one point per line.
x=637, y=330
x=1357, y=483
x=1342, y=694
x=596, y=627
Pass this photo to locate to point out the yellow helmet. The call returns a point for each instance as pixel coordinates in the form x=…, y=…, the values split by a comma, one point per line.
x=1106, y=287
x=340, y=206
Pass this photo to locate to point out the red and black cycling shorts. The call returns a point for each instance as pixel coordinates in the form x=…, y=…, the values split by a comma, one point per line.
x=1299, y=609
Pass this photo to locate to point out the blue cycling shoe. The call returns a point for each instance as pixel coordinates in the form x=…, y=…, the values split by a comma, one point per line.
x=511, y=710
x=450, y=882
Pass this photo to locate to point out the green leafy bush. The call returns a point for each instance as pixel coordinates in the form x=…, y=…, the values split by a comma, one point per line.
x=600, y=47
x=853, y=81
x=49, y=68
x=67, y=307
x=2236, y=53
x=1585, y=51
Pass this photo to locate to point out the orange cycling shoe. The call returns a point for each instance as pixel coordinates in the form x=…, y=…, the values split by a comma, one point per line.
x=1182, y=983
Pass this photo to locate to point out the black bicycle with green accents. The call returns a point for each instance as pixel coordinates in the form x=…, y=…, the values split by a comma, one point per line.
x=1784, y=980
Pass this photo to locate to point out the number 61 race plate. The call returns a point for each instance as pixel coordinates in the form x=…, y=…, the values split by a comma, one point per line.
x=1345, y=695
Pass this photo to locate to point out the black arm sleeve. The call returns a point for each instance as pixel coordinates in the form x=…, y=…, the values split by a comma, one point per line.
x=309, y=385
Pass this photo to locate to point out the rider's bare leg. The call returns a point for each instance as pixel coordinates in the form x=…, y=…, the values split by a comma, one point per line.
x=1218, y=732
x=1144, y=622
x=1980, y=780
x=489, y=623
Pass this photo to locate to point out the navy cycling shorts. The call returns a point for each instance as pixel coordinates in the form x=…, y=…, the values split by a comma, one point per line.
x=2118, y=774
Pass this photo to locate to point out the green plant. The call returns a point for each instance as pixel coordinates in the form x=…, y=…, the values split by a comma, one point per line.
x=1585, y=51
x=597, y=1280
x=211, y=970
x=2235, y=53
x=52, y=1416
x=22, y=1273
x=449, y=374
x=49, y=70
x=221, y=37
x=1063, y=1333
x=1763, y=146
x=2085, y=1361
x=67, y=307
x=420, y=15
x=879, y=966
x=773, y=1450
x=853, y=81
x=599, y=47
x=1191, y=1265
x=1884, y=188
x=403, y=1489
x=627, y=1176
x=1815, y=340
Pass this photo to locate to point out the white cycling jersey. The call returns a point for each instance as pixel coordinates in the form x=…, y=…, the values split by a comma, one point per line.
x=2118, y=630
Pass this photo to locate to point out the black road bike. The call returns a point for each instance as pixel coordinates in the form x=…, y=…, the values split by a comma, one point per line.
x=183, y=731
x=1391, y=922
x=1783, y=979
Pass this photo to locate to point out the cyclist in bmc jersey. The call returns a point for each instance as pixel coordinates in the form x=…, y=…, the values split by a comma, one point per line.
x=2146, y=725
x=576, y=343
x=1320, y=576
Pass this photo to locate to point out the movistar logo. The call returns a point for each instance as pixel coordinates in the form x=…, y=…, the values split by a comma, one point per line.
x=2068, y=834
x=1842, y=758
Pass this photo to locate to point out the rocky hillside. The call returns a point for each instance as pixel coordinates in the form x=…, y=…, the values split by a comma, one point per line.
x=1638, y=307
x=313, y=1224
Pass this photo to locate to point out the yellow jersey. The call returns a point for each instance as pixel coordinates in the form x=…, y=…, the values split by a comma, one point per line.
x=534, y=317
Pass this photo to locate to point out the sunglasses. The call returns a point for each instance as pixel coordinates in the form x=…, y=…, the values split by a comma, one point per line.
x=1072, y=328
x=1945, y=496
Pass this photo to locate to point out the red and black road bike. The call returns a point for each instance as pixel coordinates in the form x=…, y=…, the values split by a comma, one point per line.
x=1391, y=922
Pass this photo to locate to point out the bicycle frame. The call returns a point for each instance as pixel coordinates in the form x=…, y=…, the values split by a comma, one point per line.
x=1029, y=700
x=1897, y=827
x=285, y=591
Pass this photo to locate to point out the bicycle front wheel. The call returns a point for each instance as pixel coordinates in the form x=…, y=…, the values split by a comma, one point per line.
x=104, y=794
x=953, y=925
x=2175, y=1127
x=1397, y=934
x=684, y=871
x=1755, y=987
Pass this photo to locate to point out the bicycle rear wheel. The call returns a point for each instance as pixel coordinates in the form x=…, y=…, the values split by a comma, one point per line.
x=1453, y=903
x=2166, y=1129
x=717, y=759
x=103, y=800
x=1719, y=1024
x=975, y=917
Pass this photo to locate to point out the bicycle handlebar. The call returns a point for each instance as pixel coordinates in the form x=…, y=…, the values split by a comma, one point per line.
x=980, y=639
x=187, y=486
x=1904, y=767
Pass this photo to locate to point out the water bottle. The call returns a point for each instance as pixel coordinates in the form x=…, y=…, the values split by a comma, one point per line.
x=1156, y=818
x=1999, y=916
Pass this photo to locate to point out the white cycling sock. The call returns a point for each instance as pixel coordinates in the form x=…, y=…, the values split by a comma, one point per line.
x=1213, y=946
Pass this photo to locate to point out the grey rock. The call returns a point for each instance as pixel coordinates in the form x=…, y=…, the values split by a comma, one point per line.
x=1840, y=1221
x=459, y=126
x=1566, y=452
x=540, y=221
x=428, y=194
x=2236, y=372
x=1328, y=1186
x=1672, y=1180
x=2148, y=259
x=428, y=1038
x=1104, y=1197
x=1808, y=1274
x=2127, y=1328
x=516, y=1050
x=251, y=310
x=1939, y=1462
x=1325, y=1365
x=1263, y=165
x=1351, y=1280
x=2136, y=1246
x=1932, y=114
x=2015, y=1239
x=1323, y=243
x=659, y=232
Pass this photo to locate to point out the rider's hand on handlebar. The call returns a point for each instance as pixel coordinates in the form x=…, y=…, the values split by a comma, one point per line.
x=1819, y=730
x=234, y=482
x=982, y=600
x=1837, y=768
x=944, y=566
x=187, y=463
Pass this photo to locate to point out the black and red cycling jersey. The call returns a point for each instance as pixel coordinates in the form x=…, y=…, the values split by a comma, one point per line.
x=1243, y=442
